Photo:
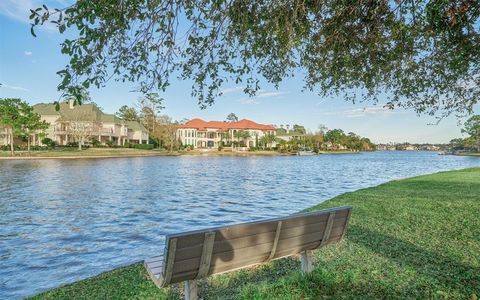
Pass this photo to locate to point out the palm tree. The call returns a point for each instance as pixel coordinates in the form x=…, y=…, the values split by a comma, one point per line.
x=224, y=136
x=241, y=134
x=268, y=139
x=263, y=141
x=246, y=135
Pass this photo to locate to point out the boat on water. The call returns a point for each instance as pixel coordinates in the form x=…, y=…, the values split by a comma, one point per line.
x=446, y=153
x=306, y=153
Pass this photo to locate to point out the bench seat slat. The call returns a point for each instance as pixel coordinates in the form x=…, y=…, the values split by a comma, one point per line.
x=154, y=259
x=156, y=270
x=155, y=264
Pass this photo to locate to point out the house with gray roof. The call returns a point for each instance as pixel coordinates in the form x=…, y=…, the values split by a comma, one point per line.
x=90, y=118
x=289, y=134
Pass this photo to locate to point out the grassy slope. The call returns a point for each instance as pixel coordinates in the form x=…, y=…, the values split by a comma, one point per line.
x=470, y=154
x=414, y=238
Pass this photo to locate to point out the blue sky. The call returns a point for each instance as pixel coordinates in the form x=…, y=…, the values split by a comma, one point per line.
x=28, y=68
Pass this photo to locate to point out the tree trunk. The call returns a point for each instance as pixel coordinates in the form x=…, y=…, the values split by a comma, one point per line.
x=12, y=150
x=80, y=144
x=28, y=144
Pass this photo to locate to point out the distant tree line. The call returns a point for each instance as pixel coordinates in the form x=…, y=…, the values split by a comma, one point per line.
x=148, y=111
x=296, y=137
x=472, y=141
x=17, y=120
x=333, y=139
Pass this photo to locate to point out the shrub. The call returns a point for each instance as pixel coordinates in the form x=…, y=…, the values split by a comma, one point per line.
x=95, y=142
x=39, y=148
x=142, y=146
x=154, y=141
x=24, y=148
x=49, y=142
x=5, y=147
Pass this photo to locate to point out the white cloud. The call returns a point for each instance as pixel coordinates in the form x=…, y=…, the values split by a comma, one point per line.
x=19, y=10
x=232, y=90
x=248, y=101
x=362, y=112
x=260, y=95
x=13, y=87
x=265, y=94
x=28, y=53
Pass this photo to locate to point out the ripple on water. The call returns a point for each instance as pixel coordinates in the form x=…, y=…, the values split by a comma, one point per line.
x=63, y=220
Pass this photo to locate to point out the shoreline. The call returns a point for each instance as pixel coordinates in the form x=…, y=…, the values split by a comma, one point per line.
x=131, y=153
x=468, y=154
x=99, y=154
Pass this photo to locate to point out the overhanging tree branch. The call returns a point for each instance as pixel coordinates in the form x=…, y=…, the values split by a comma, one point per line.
x=423, y=55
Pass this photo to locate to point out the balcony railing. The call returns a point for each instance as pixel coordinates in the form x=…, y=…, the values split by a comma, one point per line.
x=101, y=131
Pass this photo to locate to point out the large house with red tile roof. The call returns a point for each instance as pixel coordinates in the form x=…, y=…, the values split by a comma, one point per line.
x=200, y=134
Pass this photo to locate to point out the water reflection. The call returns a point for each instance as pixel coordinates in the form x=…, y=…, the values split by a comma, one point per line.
x=62, y=220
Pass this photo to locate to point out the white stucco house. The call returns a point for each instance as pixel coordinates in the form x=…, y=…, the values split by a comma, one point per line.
x=200, y=134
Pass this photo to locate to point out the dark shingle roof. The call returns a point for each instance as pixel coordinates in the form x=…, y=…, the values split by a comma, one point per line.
x=134, y=125
x=87, y=112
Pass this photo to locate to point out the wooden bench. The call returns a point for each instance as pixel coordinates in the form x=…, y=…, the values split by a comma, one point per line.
x=189, y=256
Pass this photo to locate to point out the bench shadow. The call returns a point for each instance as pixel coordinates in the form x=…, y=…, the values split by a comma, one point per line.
x=256, y=250
x=445, y=271
x=229, y=287
x=438, y=267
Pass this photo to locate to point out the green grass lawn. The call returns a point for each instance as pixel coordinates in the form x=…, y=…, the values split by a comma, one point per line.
x=470, y=154
x=417, y=238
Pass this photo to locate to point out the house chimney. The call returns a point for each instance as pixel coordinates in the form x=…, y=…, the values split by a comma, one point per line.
x=70, y=103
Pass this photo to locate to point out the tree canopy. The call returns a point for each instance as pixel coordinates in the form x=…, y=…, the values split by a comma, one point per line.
x=19, y=120
x=128, y=113
x=472, y=128
x=422, y=54
x=299, y=128
x=232, y=117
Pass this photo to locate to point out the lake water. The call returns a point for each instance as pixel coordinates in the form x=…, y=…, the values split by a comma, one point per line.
x=64, y=220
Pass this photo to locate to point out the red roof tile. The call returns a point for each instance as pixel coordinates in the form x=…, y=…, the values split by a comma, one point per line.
x=223, y=125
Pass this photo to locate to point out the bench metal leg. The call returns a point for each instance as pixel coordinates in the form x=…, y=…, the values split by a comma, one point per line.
x=191, y=291
x=307, y=263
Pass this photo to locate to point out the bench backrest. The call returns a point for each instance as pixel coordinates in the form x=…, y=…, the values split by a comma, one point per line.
x=197, y=254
